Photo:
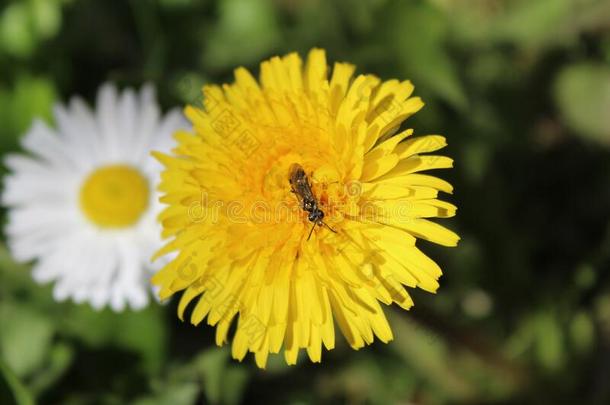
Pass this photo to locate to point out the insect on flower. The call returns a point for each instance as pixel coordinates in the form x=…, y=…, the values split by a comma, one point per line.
x=341, y=126
x=302, y=189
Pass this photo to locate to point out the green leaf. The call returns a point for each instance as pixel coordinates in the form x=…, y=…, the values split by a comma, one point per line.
x=427, y=353
x=234, y=382
x=582, y=332
x=419, y=32
x=476, y=159
x=30, y=98
x=223, y=382
x=178, y=393
x=33, y=97
x=585, y=276
x=212, y=364
x=143, y=332
x=188, y=88
x=582, y=93
x=60, y=359
x=25, y=338
x=12, y=391
x=45, y=16
x=549, y=347
x=175, y=3
x=532, y=23
x=16, y=38
x=242, y=20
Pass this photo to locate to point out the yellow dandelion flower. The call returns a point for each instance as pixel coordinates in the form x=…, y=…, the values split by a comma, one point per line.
x=266, y=164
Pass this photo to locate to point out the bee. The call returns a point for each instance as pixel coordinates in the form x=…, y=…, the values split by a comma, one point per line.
x=302, y=189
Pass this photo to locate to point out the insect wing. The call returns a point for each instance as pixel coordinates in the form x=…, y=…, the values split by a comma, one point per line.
x=300, y=184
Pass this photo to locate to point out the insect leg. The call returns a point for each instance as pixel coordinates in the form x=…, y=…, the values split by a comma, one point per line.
x=326, y=225
x=311, y=231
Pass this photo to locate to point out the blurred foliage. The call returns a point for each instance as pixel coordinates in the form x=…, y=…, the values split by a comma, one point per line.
x=520, y=88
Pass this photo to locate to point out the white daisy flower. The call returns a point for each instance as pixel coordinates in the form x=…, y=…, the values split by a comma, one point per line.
x=83, y=203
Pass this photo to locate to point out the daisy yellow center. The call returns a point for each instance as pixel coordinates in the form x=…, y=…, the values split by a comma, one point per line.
x=114, y=196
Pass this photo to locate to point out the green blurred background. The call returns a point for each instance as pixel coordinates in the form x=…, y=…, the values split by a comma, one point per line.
x=521, y=89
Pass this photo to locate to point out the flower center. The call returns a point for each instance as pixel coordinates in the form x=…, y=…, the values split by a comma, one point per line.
x=114, y=196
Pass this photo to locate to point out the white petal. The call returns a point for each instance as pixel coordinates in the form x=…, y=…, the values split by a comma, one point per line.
x=117, y=301
x=61, y=291
x=85, y=121
x=76, y=138
x=45, y=143
x=128, y=111
x=148, y=120
x=106, y=116
x=163, y=140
